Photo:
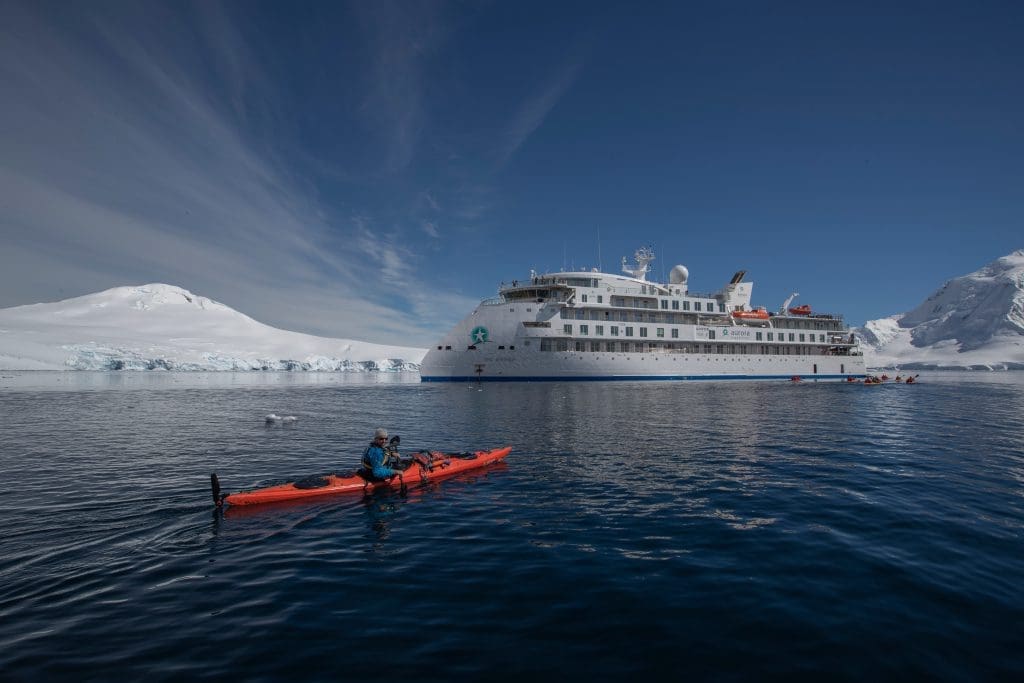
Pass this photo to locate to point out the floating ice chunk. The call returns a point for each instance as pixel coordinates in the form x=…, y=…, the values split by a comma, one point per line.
x=274, y=418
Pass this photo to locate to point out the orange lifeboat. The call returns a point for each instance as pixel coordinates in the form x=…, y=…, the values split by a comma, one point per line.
x=800, y=310
x=759, y=314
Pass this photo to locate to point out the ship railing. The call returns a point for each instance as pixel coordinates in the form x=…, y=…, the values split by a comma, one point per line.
x=813, y=316
x=644, y=304
x=532, y=284
x=631, y=291
x=694, y=349
x=493, y=301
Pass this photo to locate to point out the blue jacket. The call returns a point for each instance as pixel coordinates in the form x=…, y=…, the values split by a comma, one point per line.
x=375, y=460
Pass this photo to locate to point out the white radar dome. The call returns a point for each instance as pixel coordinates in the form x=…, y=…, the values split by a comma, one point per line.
x=678, y=275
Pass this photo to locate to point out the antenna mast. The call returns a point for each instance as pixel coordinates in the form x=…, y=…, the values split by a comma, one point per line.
x=643, y=256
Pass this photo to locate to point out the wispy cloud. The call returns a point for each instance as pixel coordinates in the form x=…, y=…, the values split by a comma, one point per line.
x=402, y=37
x=426, y=200
x=532, y=112
x=124, y=160
x=431, y=229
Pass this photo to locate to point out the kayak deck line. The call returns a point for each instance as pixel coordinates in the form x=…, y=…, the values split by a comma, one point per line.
x=419, y=471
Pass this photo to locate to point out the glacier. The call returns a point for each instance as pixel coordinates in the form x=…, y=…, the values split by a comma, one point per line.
x=165, y=327
x=972, y=322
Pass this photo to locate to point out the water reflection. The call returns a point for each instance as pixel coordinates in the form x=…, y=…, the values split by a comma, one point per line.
x=380, y=509
x=86, y=380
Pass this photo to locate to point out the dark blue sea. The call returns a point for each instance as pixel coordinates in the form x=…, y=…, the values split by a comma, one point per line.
x=665, y=530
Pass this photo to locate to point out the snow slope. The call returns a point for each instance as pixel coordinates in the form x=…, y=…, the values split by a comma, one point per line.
x=162, y=327
x=975, y=321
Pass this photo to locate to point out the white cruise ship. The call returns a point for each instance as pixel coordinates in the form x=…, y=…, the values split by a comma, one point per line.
x=589, y=325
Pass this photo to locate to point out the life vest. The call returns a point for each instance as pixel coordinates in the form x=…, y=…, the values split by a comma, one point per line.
x=390, y=453
x=366, y=456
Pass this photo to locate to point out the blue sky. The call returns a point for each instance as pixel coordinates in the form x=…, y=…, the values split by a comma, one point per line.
x=372, y=169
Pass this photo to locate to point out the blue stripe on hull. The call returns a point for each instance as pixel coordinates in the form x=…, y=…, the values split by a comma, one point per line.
x=629, y=378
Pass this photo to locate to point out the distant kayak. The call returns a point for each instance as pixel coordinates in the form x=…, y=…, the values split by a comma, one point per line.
x=422, y=467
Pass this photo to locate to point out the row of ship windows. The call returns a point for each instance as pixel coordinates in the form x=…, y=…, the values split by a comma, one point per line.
x=472, y=347
x=648, y=347
x=654, y=347
x=584, y=330
x=675, y=304
x=592, y=283
x=680, y=319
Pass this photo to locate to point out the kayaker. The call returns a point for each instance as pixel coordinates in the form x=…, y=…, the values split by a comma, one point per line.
x=377, y=456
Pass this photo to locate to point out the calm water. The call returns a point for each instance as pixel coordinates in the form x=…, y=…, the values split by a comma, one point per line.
x=697, y=530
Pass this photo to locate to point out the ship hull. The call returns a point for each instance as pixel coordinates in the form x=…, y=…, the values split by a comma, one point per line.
x=481, y=365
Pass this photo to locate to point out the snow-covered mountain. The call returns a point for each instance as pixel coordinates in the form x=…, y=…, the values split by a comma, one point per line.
x=162, y=327
x=975, y=321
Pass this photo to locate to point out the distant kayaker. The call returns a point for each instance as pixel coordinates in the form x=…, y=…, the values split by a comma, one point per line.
x=378, y=456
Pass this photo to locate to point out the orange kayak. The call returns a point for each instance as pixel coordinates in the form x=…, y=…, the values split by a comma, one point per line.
x=423, y=468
